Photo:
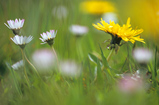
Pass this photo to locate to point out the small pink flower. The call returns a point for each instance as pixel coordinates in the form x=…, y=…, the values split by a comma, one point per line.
x=129, y=84
x=44, y=60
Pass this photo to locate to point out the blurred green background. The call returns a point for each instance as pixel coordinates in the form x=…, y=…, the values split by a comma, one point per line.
x=41, y=16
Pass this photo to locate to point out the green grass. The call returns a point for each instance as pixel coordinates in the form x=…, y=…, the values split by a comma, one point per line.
x=58, y=90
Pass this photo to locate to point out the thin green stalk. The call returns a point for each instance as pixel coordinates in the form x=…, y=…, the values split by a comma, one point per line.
x=14, y=79
x=55, y=55
x=31, y=64
x=130, y=68
x=155, y=69
x=25, y=73
x=110, y=54
x=52, y=47
x=78, y=48
x=108, y=58
x=59, y=65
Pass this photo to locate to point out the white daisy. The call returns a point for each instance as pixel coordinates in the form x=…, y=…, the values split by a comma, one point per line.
x=44, y=60
x=21, y=41
x=70, y=68
x=60, y=12
x=142, y=55
x=48, y=37
x=17, y=65
x=15, y=26
x=110, y=16
x=78, y=30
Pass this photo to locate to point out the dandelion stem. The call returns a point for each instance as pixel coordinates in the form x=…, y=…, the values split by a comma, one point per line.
x=31, y=65
x=25, y=73
x=108, y=58
x=110, y=54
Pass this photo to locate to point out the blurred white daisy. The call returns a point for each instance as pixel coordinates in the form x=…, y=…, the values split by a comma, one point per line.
x=60, y=12
x=17, y=65
x=110, y=16
x=142, y=55
x=70, y=68
x=78, y=30
x=15, y=26
x=44, y=60
x=48, y=37
x=21, y=40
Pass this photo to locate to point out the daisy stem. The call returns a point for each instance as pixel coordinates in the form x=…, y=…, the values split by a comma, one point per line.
x=55, y=55
x=25, y=73
x=31, y=64
x=58, y=64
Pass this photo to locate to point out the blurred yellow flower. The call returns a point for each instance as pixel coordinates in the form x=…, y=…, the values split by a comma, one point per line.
x=119, y=33
x=97, y=7
x=145, y=13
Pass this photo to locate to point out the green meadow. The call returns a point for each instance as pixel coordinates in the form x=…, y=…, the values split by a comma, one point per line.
x=84, y=65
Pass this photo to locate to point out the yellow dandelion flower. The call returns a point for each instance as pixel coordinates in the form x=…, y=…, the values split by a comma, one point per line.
x=119, y=33
x=97, y=7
